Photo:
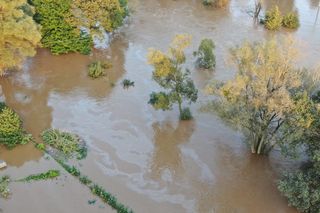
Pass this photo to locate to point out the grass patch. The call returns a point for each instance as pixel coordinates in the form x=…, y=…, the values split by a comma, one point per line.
x=4, y=186
x=42, y=176
x=98, y=68
x=66, y=143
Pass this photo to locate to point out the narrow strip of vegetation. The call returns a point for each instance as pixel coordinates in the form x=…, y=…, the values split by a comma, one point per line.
x=4, y=186
x=41, y=176
x=97, y=190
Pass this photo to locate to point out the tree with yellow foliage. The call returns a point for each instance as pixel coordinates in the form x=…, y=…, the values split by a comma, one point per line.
x=168, y=73
x=94, y=13
x=266, y=96
x=19, y=34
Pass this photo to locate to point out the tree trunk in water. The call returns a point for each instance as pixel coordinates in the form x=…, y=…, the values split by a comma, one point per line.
x=180, y=107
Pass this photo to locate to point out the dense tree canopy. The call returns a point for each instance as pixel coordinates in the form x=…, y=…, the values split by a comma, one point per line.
x=93, y=13
x=265, y=95
x=68, y=25
x=19, y=34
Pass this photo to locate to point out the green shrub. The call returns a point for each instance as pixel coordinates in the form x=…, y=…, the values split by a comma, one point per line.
x=185, y=114
x=98, y=69
x=302, y=189
x=57, y=34
x=205, y=56
x=67, y=143
x=273, y=19
x=4, y=186
x=42, y=176
x=11, y=131
x=126, y=83
x=291, y=20
x=41, y=146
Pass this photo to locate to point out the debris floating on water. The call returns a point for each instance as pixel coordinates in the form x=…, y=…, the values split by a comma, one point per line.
x=2, y=164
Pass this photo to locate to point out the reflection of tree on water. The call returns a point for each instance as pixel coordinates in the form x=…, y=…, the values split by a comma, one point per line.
x=314, y=3
x=28, y=91
x=285, y=6
x=167, y=154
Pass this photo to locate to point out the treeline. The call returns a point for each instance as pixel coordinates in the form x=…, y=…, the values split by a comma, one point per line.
x=63, y=26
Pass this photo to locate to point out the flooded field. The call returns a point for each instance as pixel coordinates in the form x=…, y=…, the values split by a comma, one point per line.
x=151, y=161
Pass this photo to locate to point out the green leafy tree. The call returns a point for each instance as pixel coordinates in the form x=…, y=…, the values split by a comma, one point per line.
x=265, y=95
x=205, y=56
x=58, y=34
x=19, y=34
x=302, y=187
x=168, y=73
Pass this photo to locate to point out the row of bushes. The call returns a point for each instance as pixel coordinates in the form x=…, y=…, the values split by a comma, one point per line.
x=274, y=19
x=96, y=189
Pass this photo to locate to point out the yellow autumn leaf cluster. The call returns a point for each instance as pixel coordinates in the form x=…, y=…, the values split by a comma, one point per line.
x=19, y=34
x=265, y=77
x=165, y=63
x=91, y=13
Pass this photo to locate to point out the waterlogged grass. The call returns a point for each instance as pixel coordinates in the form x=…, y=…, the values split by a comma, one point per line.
x=42, y=176
x=67, y=143
x=97, y=190
x=4, y=186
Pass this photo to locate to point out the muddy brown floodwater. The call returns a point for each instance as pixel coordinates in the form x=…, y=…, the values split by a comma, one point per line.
x=147, y=158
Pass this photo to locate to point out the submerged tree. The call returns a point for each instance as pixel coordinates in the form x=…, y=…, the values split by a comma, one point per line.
x=265, y=95
x=19, y=33
x=205, y=56
x=169, y=74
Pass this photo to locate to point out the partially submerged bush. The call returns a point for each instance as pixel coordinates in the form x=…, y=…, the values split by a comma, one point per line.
x=215, y=3
x=98, y=69
x=186, y=114
x=11, y=131
x=273, y=19
x=4, y=186
x=291, y=20
x=42, y=176
x=205, y=56
x=67, y=143
x=126, y=83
